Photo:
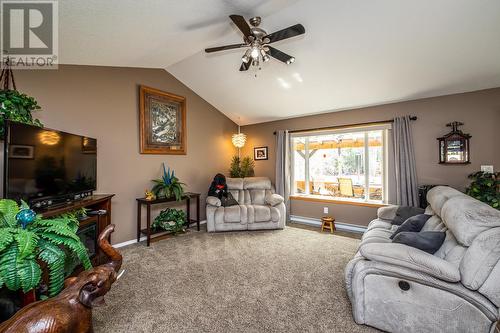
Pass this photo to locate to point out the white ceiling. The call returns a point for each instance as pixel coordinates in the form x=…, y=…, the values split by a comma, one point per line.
x=354, y=53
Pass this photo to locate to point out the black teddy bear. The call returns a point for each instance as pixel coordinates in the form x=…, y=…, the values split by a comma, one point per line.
x=218, y=189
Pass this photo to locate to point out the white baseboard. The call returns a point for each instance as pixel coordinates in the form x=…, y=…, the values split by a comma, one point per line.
x=143, y=238
x=317, y=222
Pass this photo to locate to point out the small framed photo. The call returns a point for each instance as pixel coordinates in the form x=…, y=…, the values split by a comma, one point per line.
x=21, y=151
x=260, y=153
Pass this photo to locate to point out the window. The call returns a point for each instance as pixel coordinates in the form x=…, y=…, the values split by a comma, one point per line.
x=347, y=164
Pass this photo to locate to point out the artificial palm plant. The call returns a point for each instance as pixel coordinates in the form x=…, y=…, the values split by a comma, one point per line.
x=241, y=168
x=26, y=240
x=168, y=185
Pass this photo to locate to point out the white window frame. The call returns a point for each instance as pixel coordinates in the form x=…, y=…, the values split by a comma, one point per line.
x=379, y=127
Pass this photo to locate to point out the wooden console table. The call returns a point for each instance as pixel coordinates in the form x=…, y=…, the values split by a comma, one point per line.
x=188, y=196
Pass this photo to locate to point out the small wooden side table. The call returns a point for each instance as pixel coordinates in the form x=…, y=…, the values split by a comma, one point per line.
x=188, y=196
x=328, y=222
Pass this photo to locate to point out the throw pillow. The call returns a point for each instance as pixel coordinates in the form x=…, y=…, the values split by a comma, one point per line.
x=405, y=212
x=229, y=201
x=428, y=241
x=413, y=224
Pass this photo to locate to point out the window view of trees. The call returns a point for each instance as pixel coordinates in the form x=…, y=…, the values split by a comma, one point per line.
x=344, y=165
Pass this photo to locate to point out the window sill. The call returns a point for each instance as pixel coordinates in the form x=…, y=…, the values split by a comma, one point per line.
x=319, y=198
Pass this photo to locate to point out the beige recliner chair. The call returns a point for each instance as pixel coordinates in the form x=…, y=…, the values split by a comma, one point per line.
x=258, y=207
x=398, y=288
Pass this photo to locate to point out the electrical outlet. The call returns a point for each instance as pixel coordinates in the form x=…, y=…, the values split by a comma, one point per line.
x=325, y=210
x=487, y=168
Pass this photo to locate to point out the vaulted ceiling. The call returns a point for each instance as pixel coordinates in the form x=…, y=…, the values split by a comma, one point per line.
x=354, y=53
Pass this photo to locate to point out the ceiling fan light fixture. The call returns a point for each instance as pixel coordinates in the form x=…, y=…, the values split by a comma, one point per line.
x=254, y=53
x=265, y=58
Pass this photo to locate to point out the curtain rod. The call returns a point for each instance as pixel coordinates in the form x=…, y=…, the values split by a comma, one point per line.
x=345, y=126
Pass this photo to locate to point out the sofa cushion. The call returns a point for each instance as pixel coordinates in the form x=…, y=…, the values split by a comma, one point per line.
x=262, y=213
x=480, y=259
x=412, y=224
x=232, y=214
x=451, y=251
x=437, y=197
x=428, y=241
x=257, y=197
x=256, y=183
x=467, y=217
x=234, y=183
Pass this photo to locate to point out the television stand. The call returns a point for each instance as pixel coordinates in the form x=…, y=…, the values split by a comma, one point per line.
x=94, y=203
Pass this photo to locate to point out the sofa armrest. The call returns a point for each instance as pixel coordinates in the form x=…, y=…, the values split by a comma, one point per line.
x=274, y=199
x=213, y=201
x=398, y=214
x=409, y=257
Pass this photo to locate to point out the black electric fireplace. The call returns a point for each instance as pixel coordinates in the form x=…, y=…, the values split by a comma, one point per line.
x=88, y=236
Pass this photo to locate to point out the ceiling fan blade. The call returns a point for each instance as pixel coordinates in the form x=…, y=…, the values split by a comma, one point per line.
x=226, y=47
x=244, y=66
x=281, y=56
x=292, y=31
x=242, y=24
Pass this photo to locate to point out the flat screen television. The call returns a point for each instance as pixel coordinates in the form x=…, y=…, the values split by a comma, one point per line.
x=46, y=165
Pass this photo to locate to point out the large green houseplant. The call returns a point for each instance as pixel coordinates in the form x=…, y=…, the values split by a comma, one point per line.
x=168, y=185
x=485, y=186
x=17, y=106
x=27, y=240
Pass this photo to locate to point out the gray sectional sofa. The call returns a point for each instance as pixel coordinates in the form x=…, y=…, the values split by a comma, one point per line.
x=398, y=288
x=258, y=207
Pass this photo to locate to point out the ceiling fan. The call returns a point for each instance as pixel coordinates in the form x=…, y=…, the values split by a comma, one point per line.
x=257, y=41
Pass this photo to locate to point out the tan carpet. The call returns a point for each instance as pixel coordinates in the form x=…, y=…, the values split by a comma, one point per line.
x=261, y=281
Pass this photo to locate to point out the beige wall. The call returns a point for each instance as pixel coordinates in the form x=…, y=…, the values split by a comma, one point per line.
x=102, y=102
x=480, y=111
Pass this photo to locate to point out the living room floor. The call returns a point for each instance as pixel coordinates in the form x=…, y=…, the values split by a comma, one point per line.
x=287, y=280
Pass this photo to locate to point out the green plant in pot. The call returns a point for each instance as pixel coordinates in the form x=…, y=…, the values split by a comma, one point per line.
x=168, y=186
x=17, y=106
x=170, y=219
x=241, y=168
x=485, y=186
x=27, y=241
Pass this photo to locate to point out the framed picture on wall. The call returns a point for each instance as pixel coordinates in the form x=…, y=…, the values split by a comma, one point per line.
x=162, y=122
x=22, y=152
x=260, y=153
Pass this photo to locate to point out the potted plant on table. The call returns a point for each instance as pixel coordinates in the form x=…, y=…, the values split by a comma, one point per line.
x=28, y=241
x=168, y=185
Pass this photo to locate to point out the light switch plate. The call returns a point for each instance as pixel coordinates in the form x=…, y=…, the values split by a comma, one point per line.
x=325, y=210
x=487, y=168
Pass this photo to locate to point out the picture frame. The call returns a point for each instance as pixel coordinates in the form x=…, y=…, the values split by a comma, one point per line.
x=260, y=153
x=162, y=122
x=89, y=145
x=22, y=152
